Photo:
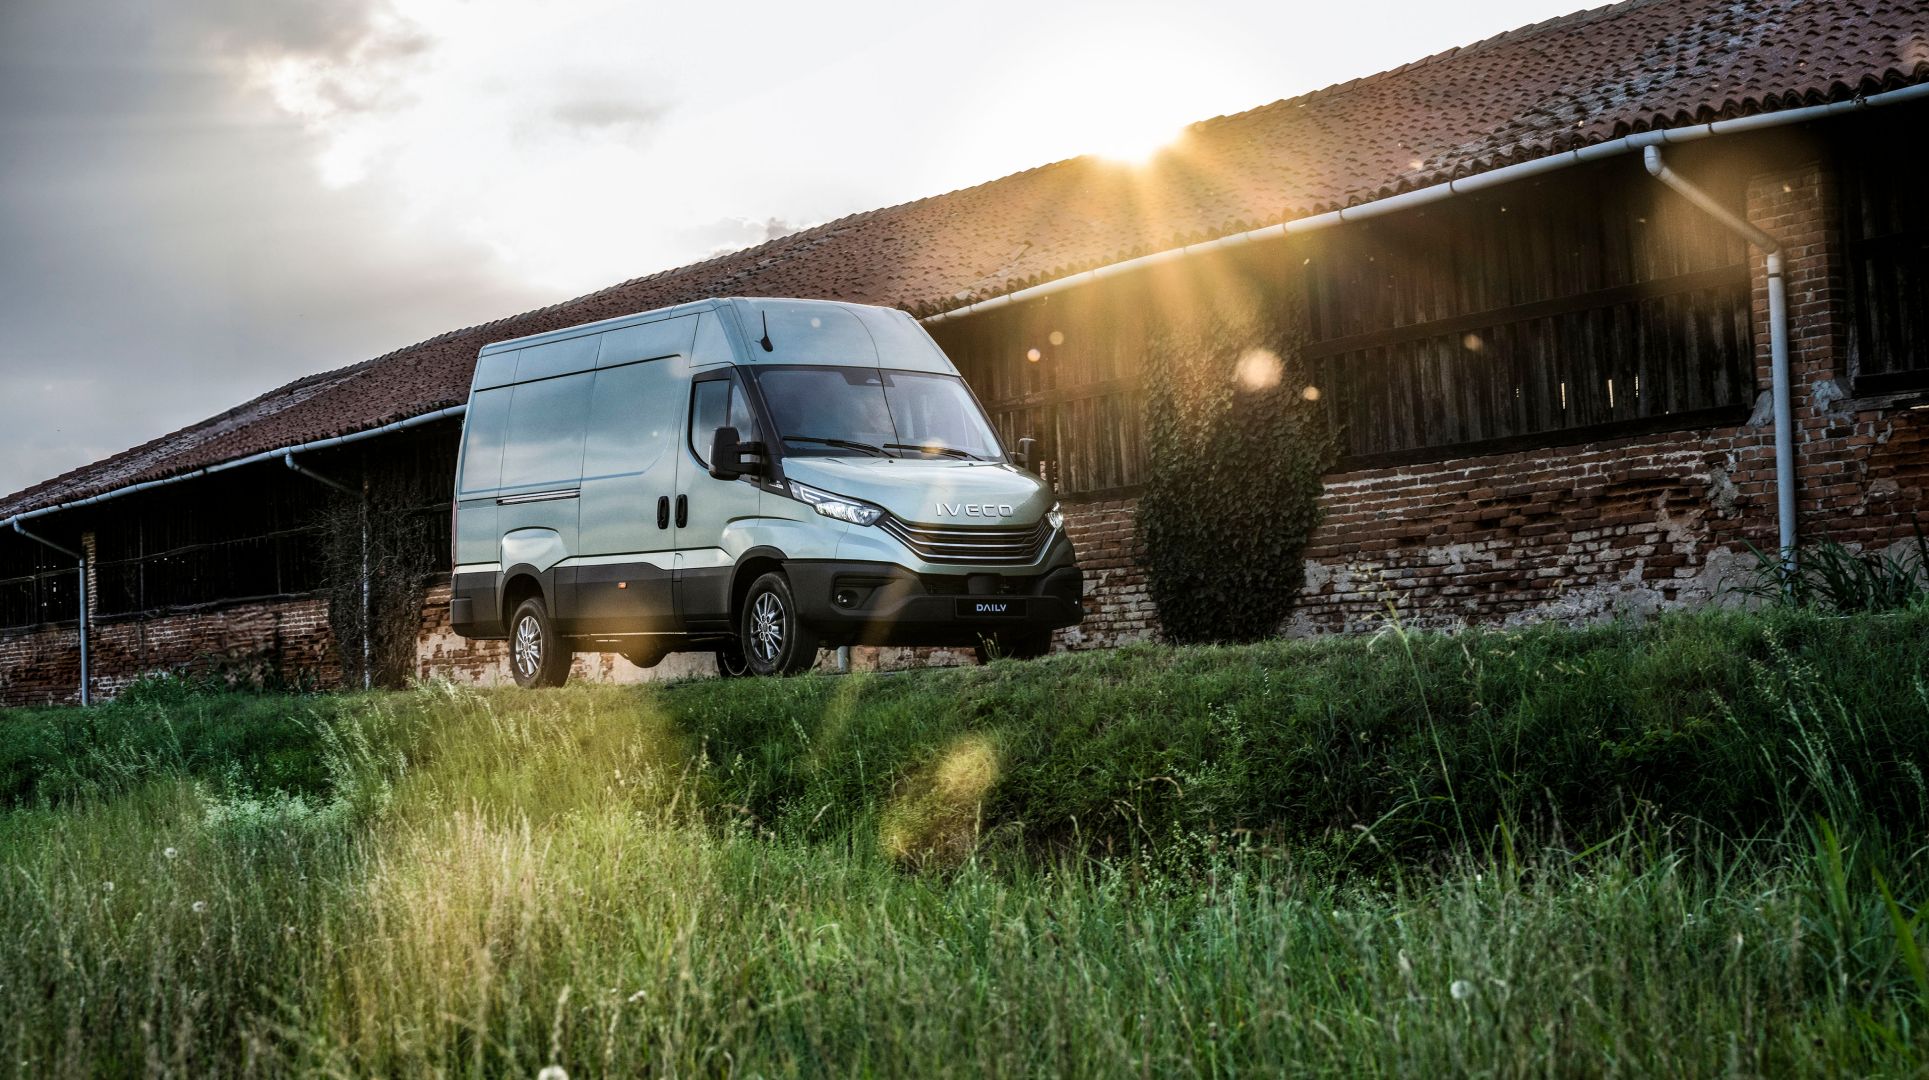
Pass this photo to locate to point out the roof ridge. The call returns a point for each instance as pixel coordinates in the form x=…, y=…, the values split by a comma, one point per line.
x=1572, y=18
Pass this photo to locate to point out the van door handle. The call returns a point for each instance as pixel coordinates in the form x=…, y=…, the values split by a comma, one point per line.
x=682, y=511
x=663, y=512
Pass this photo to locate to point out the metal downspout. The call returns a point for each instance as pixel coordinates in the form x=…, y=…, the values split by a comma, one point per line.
x=80, y=559
x=361, y=499
x=1779, y=378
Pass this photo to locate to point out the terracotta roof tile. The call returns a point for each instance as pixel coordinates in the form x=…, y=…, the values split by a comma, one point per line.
x=1578, y=79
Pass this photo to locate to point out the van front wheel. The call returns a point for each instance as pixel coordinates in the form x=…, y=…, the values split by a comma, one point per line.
x=537, y=656
x=774, y=641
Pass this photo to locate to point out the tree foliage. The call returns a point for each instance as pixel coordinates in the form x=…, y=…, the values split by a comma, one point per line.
x=1237, y=447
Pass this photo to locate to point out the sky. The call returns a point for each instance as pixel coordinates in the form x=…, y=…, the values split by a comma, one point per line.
x=203, y=199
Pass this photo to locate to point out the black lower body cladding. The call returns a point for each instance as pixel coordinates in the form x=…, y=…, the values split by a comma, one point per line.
x=475, y=606
x=867, y=603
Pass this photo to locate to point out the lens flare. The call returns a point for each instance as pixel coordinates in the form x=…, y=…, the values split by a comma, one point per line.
x=1258, y=369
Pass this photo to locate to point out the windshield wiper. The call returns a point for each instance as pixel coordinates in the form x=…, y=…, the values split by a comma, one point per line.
x=933, y=448
x=845, y=444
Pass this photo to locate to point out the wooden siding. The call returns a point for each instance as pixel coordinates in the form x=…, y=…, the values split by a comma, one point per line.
x=1885, y=227
x=1589, y=305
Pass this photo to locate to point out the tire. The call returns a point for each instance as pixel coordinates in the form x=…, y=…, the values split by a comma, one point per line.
x=773, y=640
x=1026, y=645
x=537, y=656
x=730, y=661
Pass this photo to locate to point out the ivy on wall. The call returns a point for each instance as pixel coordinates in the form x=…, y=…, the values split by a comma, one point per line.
x=404, y=550
x=1237, y=447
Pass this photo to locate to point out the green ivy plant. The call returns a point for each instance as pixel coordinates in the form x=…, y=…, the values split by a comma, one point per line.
x=402, y=556
x=1237, y=448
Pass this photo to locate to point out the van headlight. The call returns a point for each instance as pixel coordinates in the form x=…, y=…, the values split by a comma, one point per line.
x=835, y=506
x=1055, y=517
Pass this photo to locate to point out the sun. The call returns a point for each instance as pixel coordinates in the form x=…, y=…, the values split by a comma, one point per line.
x=1122, y=119
x=1128, y=140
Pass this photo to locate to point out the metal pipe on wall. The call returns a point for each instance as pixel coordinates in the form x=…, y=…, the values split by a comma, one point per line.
x=1779, y=377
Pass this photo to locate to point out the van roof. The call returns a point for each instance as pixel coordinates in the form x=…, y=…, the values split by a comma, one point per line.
x=744, y=304
x=597, y=327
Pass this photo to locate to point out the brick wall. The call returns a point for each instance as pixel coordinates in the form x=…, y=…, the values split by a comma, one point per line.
x=284, y=641
x=1117, y=607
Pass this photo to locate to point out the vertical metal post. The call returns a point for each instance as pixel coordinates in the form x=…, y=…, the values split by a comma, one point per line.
x=86, y=696
x=367, y=676
x=1784, y=414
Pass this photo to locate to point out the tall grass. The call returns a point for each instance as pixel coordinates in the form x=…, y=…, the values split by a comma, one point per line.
x=1200, y=862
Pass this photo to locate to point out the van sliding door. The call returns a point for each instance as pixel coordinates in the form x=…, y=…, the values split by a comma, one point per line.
x=621, y=577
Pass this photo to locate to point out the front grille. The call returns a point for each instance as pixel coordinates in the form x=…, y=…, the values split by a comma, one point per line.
x=960, y=585
x=967, y=545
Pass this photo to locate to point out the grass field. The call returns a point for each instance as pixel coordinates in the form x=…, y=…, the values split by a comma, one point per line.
x=1691, y=847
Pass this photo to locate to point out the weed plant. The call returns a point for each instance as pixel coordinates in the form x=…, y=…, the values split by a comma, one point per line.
x=1828, y=576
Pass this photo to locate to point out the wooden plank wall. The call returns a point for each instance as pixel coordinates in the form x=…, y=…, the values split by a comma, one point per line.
x=1585, y=304
x=1885, y=225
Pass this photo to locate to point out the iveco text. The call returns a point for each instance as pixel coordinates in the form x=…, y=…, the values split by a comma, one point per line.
x=753, y=478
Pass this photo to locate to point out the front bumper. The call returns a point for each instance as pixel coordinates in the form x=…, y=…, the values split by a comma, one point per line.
x=874, y=603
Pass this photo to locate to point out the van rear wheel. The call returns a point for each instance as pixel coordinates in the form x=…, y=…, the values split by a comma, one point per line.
x=537, y=656
x=774, y=640
x=1009, y=646
x=730, y=660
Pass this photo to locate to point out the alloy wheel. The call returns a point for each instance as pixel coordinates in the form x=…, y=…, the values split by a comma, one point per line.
x=529, y=646
x=767, y=627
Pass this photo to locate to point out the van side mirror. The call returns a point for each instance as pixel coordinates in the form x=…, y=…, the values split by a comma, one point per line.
x=727, y=453
x=1027, y=451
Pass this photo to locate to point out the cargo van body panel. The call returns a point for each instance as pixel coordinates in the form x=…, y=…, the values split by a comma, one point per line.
x=881, y=495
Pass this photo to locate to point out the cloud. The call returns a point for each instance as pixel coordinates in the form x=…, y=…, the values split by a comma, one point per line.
x=606, y=114
x=171, y=251
x=305, y=27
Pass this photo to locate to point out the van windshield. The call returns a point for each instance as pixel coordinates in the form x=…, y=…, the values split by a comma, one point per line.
x=858, y=410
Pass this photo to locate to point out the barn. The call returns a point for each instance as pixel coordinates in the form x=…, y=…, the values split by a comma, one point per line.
x=1594, y=307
